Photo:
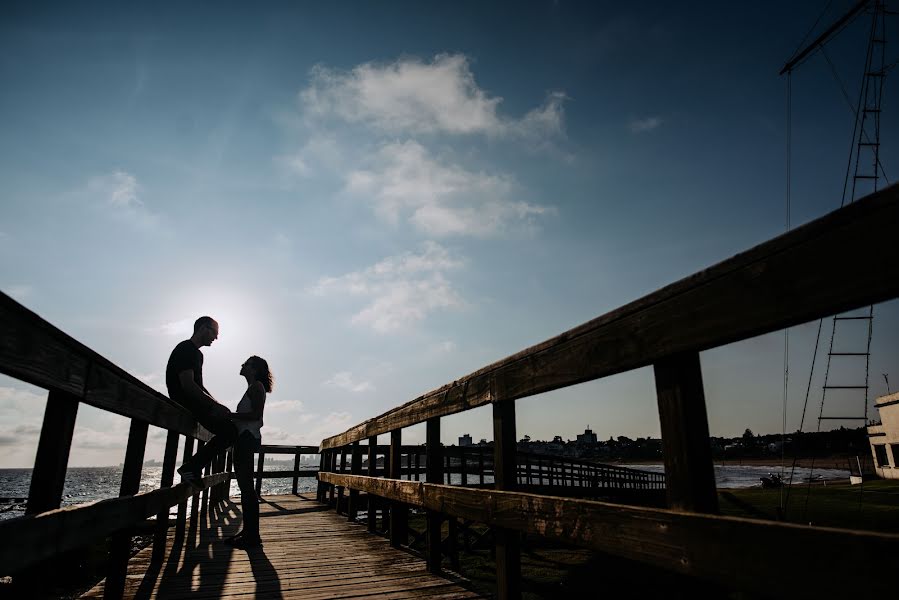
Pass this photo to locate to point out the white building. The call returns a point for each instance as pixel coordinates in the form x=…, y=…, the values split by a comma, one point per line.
x=884, y=437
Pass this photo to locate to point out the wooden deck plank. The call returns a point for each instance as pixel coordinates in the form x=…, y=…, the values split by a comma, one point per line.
x=308, y=553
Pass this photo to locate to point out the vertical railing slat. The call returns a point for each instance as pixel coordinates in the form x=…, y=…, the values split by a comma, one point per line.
x=120, y=546
x=508, y=546
x=433, y=474
x=49, y=474
x=372, y=470
x=399, y=512
x=169, y=459
x=689, y=471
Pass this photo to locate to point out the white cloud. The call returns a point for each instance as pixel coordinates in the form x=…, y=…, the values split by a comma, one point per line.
x=320, y=153
x=184, y=327
x=19, y=292
x=21, y=403
x=284, y=406
x=294, y=164
x=346, y=381
x=87, y=438
x=439, y=199
x=645, y=124
x=120, y=194
x=402, y=290
x=446, y=346
x=148, y=378
x=409, y=95
x=26, y=433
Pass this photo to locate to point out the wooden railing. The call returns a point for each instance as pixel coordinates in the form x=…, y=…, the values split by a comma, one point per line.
x=34, y=351
x=844, y=260
x=474, y=466
x=297, y=452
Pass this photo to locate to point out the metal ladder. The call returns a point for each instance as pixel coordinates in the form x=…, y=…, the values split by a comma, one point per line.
x=865, y=180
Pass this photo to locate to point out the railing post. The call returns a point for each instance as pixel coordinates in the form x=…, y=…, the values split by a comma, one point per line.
x=120, y=546
x=372, y=468
x=49, y=475
x=399, y=512
x=260, y=466
x=481, y=465
x=355, y=469
x=296, y=475
x=685, y=434
x=463, y=472
x=181, y=519
x=321, y=488
x=340, y=489
x=508, y=546
x=168, y=477
x=332, y=467
x=434, y=474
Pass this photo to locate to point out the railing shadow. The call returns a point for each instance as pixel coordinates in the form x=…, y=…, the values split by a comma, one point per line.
x=198, y=560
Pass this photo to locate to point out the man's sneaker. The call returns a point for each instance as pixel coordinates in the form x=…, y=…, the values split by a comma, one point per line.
x=191, y=477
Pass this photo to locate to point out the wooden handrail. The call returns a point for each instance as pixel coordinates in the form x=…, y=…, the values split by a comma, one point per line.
x=780, y=283
x=45, y=535
x=737, y=553
x=34, y=351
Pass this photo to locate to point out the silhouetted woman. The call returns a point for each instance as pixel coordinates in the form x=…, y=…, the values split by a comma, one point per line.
x=248, y=419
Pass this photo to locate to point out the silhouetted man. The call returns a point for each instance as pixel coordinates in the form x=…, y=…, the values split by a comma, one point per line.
x=184, y=380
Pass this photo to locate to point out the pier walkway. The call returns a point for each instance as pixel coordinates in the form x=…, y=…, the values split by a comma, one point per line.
x=308, y=553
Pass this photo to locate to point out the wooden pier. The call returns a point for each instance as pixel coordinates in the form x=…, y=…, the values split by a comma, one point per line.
x=844, y=260
x=304, y=557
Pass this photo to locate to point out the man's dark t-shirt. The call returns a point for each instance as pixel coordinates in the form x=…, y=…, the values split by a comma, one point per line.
x=185, y=356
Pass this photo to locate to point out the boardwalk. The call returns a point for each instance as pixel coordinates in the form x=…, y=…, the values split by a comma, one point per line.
x=308, y=553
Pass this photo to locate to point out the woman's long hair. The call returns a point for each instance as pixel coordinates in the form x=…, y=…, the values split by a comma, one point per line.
x=262, y=372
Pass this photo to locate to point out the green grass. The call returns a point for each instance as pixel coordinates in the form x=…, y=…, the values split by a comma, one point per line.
x=874, y=506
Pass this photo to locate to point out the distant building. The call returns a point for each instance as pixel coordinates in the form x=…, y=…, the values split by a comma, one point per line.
x=588, y=437
x=884, y=437
x=465, y=440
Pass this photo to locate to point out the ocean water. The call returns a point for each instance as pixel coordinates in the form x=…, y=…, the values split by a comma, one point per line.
x=87, y=484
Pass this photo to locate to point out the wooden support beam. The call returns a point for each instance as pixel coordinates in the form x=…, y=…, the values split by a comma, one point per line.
x=120, y=546
x=434, y=474
x=49, y=475
x=169, y=459
x=181, y=519
x=372, y=468
x=399, y=512
x=321, y=487
x=355, y=469
x=296, y=477
x=689, y=471
x=508, y=545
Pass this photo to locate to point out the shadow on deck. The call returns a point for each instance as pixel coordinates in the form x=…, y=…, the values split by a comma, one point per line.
x=307, y=553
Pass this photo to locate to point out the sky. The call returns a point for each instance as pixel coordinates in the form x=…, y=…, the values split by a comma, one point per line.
x=380, y=198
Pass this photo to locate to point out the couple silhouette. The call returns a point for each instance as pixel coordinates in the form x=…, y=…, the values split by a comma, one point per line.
x=241, y=428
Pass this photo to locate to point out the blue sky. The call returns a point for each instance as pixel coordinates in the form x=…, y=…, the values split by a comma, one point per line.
x=382, y=198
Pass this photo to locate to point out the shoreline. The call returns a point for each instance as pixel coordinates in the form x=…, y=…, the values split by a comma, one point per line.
x=830, y=462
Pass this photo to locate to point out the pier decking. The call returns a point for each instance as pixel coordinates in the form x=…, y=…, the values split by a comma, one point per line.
x=306, y=554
